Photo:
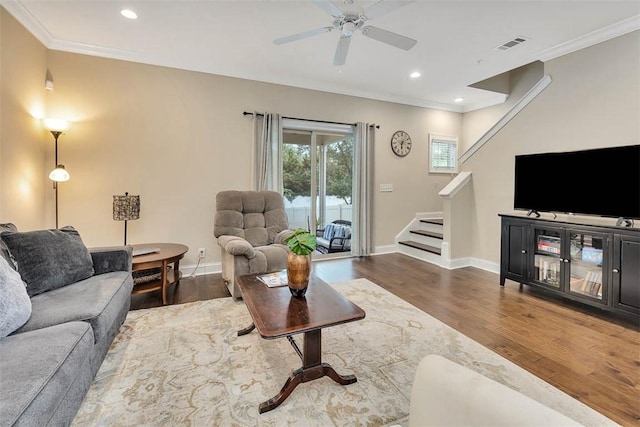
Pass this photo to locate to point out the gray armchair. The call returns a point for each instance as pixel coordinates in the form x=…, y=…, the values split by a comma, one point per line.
x=250, y=227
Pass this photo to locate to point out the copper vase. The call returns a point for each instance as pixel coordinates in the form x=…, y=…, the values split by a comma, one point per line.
x=298, y=271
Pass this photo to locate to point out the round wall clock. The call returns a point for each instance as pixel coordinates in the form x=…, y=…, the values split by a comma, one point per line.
x=401, y=143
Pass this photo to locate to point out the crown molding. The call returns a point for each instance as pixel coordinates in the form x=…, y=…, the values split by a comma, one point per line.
x=495, y=99
x=598, y=36
x=24, y=17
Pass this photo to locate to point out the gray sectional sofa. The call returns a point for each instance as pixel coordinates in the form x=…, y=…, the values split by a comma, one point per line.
x=48, y=363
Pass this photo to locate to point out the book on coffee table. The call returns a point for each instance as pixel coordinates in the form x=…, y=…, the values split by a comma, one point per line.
x=273, y=280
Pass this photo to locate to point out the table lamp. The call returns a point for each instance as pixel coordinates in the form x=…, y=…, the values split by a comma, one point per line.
x=126, y=208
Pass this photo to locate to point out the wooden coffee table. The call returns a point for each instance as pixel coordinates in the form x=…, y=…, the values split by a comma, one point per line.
x=168, y=253
x=276, y=313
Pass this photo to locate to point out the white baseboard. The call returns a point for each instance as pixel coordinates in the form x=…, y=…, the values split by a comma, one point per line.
x=483, y=264
x=209, y=268
x=216, y=267
x=387, y=249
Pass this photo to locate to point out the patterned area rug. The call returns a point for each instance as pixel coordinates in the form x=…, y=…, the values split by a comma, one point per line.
x=184, y=365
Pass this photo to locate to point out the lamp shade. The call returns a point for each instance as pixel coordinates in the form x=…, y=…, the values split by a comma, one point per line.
x=126, y=208
x=59, y=174
x=56, y=125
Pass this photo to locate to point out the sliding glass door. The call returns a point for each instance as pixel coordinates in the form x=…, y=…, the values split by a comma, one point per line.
x=318, y=181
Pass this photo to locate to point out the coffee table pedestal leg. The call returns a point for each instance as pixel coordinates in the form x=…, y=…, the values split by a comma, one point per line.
x=312, y=369
x=245, y=331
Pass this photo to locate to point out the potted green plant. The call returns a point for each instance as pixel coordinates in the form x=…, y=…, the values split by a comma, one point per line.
x=301, y=245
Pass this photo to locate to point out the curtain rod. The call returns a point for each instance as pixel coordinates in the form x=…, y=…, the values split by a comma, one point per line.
x=246, y=113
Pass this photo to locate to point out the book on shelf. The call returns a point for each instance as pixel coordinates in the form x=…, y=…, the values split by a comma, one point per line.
x=576, y=283
x=275, y=279
x=597, y=283
x=549, y=244
x=548, y=271
x=554, y=276
x=592, y=255
x=586, y=282
x=542, y=274
x=593, y=283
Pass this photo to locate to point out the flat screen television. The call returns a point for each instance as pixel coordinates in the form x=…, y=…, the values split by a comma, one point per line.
x=603, y=182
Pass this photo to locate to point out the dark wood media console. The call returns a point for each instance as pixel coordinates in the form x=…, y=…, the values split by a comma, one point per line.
x=595, y=264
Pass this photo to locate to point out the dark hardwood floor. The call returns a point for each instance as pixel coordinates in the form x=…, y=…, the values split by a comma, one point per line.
x=588, y=353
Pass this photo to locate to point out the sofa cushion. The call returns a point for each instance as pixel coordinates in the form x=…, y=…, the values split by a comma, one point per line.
x=15, y=305
x=96, y=300
x=329, y=230
x=45, y=374
x=49, y=259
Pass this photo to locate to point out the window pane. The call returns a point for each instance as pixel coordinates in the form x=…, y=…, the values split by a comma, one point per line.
x=443, y=155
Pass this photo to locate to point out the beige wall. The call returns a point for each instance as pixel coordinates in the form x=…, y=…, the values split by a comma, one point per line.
x=23, y=143
x=593, y=101
x=177, y=137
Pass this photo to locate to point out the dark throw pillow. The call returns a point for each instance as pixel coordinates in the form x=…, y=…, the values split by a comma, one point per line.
x=4, y=251
x=49, y=259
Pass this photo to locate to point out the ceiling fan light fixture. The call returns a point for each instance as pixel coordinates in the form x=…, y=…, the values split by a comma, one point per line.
x=348, y=28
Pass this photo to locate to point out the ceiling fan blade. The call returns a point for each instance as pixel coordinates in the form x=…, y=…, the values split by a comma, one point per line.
x=329, y=7
x=383, y=7
x=341, y=51
x=302, y=35
x=388, y=37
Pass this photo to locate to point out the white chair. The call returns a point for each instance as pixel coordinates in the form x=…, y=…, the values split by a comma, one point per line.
x=447, y=394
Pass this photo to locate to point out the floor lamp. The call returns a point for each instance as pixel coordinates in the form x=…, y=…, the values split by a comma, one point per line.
x=59, y=174
x=126, y=208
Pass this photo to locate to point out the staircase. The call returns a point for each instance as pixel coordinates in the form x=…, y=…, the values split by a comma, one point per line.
x=424, y=240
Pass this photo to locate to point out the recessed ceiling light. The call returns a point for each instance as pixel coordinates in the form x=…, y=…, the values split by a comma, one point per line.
x=458, y=99
x=128, y=13
x=415, y=75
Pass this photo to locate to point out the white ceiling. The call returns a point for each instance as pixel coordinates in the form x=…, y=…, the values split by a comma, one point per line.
x=456, y=46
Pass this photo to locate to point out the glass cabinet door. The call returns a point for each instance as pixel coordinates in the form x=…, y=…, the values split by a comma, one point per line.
x=585, y=277
x=547, y=257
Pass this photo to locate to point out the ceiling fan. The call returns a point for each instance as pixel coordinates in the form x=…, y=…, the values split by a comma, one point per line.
x=350, y=22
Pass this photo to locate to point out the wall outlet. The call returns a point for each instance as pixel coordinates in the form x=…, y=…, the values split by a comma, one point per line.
x=202, y=252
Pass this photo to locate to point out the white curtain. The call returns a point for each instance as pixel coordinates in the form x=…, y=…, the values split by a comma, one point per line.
x=364, y=134
x=268, y=152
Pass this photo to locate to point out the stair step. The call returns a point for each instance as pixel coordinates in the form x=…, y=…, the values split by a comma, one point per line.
x=427, y=233
x=438, y=221
x=421, y=246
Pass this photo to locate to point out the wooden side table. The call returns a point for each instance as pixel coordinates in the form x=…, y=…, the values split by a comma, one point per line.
x=168, y=253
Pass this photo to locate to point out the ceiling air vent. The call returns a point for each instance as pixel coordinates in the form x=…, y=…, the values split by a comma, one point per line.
x=512, y=43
